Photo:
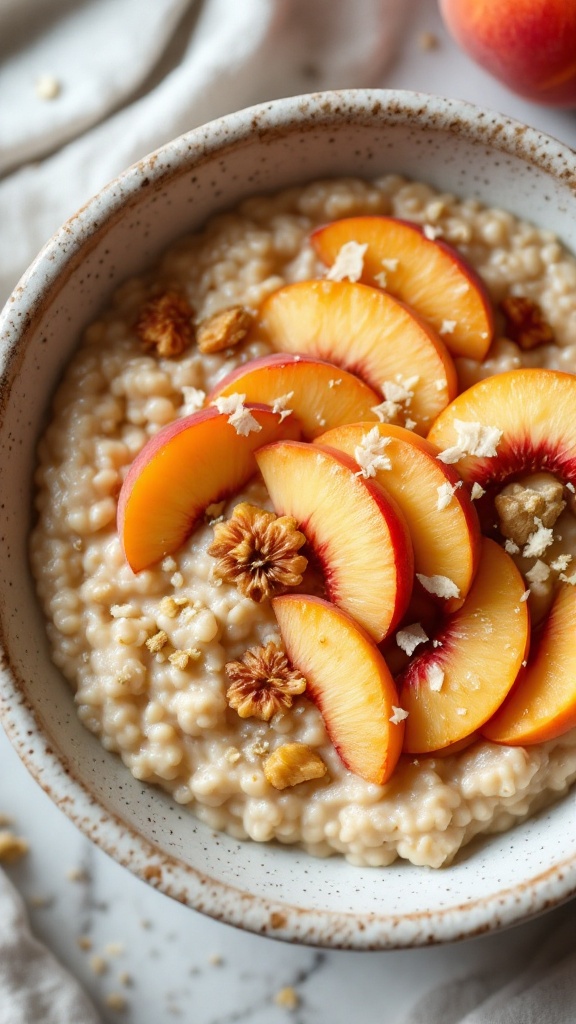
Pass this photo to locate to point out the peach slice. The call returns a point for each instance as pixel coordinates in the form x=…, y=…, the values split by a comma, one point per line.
x=426, y=273
x=320, y=394
x=348, y=680
x=441, y=517
x=358, y=535
x=542, y=703
x=451, y=689
x=367, y=332
x=533, y=409
x=182, y=469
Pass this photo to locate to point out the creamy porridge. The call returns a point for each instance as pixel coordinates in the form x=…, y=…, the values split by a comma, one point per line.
x=146, y=652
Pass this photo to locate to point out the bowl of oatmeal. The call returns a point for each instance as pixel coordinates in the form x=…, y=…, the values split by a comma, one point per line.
x=306, y=744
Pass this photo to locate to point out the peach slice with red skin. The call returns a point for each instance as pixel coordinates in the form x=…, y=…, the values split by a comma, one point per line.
x=452, y=689
x=186, y=466
x=427, y=274
x=358, y=536
x=348, y=680
x=533, y=408
x=323, y=395
x=367, y=332
x=542, y=704
x=446, y=540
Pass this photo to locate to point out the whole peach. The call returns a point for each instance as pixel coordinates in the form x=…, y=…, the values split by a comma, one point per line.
x=530, y=45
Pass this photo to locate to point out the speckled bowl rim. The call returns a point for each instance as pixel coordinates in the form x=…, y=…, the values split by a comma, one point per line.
x=49, y=767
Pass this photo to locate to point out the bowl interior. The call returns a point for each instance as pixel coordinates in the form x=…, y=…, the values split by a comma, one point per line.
x=269, y=889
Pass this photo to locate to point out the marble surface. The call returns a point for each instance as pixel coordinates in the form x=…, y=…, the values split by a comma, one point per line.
x=169, y=962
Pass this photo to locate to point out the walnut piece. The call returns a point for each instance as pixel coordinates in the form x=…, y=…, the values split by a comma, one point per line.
x=525, y=323
x=165, y=324
x=291, y=764
x=257, y=551
x=224, y=329
x=262, y=683
x=519, y=505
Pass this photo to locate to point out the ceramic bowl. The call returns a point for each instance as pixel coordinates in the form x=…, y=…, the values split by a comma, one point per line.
x=267, y=889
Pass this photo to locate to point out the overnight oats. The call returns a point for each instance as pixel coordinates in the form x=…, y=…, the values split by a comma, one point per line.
x=306, y=542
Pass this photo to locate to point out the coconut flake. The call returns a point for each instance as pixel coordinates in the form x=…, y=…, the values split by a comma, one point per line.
x=431, y=232
x=381, y=279
x=462, y=711
x=476, y=492
x=398, y=716
x=448, y=326
x=538, y=541
x=349, y=263
x=435, y=676
x=279, y=405
x=446, y=492
x=409, y=638
x=238, y=416
x=511, y=546
x=525, y=596
x=194, y=399
x=568, y=579
x=561, y=563
x=441, y=586
x=539, y=572
x=472, y=439
x=370, y=454
x=410, y=424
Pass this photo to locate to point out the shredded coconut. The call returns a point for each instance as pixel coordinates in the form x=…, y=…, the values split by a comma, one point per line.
x=194, y=399
x=398, y=716
x=525, y=596
x=570, y=487
x=561, y=563
x=369, y=454
x=568, y=579
x=538, y=573
x=441, y=586
x=461, y=711
x=431, y=232
x=381, y=279
x=440, y=384
x=349, y=263
x=410, y=424
x=409, y=638
x=448, y=326
x=511, y=547
x=334, y=382
x=539, y=540
x=279, y=405
x=472, y=439
x=390, y=264
x=435, y=676
x=476, y=492
x=238, y=416
x=445, y=494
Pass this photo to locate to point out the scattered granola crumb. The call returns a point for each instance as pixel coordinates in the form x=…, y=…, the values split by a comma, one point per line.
x=472, y=439
x=12, y=847
x=168, y=606
x=446, y=492
x=157, y=642
x=428, y=41
x=398, y=715
x=177, y=580
x=116, y=1001
x=84, y=942
x=258, y=552
x=77, y=875
x=349, y=263
x=215, y=510
x=165, y=324
x=123, y=611
x=239, y=417
x=435, y=676
x=98, y=964
x=215, y=959
x=224, y=329
x=370, y=453
x=525, y=323
x=262, y=683
x=291, y=764
x=125, y=979
x=441, y=586
x=232, y=754
x=287, y=998
x=47, y=87
x=410, y=637
x=477, y=491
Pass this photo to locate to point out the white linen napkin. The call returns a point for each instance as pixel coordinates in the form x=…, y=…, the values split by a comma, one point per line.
x=34, y=987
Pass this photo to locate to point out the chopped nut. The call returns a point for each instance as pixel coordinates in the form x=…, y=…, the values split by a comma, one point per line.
x=157, y=642
x=525, y=323
x=165, y=324
x=12, y=847
x=257, y=551
x=224, y=329
x=98, y=964
x=291, y=764
x=519, y=506
x=287, y=998
x=262, y=683
x=116, y=1001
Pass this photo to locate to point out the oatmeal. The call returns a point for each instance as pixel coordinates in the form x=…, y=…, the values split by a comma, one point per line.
x=159, y=659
